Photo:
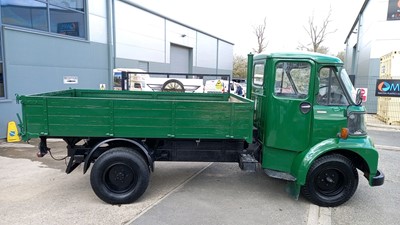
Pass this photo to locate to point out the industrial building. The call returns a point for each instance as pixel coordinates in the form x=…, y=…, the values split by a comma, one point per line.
x=375, y=33
x=49, y=45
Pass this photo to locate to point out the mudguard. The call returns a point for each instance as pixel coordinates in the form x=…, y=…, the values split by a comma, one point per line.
x=135, y=143
x=362, y=146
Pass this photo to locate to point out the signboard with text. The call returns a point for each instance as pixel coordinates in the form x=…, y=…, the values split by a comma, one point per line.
x=71, y=28
x=393, y=10
x=387, y=88
x=70, y=80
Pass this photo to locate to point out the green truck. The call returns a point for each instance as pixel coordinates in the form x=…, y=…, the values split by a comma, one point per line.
x=301, y=121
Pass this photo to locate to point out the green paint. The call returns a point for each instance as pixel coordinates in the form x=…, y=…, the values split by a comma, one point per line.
x=100, y=113
x=292, y=140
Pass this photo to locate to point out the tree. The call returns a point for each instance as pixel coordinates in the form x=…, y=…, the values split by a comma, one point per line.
x=259, y=31
x=341, y=55
x=239, y=66
x=317, y=34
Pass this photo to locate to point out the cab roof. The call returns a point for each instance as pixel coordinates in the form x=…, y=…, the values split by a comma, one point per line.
x=317, y=57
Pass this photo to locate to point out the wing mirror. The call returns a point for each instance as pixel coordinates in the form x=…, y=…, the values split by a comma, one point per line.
x=358, y=97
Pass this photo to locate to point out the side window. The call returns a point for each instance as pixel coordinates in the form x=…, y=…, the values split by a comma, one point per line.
x=292, y=79
x=2, y=94
x=258, y=74
x=66, y=17
x=330, y=91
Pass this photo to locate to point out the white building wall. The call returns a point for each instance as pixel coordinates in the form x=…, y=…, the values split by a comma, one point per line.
x=375, y=37
x=206, y=51
x=225, y=58
x=139, y=35
x=351, y=51
x=97, y=21
x=382, y=35
x=179, y=35
x=145, y=36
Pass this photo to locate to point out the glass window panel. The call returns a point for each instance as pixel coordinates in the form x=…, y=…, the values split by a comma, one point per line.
x=1, y=47
x=330, y=91
x=258, y=74
x=68, y=22
x=29, y=14
x=292, y=79
x=1, y=81
x=72, y=4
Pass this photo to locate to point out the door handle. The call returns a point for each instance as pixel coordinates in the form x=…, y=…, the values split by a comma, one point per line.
x=305, y=107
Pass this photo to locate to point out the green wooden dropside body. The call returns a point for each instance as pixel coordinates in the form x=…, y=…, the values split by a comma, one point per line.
x=126, y=114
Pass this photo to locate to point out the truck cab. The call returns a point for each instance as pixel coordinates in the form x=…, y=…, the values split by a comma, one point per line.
x=310, y=124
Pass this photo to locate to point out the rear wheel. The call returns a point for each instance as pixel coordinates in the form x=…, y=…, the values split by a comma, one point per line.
x=331, y=181
x=119, y=176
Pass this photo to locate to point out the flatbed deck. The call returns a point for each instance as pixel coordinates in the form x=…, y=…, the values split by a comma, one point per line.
x=127, y=114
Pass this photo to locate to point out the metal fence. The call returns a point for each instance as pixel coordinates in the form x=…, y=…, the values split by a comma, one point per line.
x=387, y=114
x=389, y=110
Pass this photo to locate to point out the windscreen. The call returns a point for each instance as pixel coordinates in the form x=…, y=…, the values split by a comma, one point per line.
x=348, y=85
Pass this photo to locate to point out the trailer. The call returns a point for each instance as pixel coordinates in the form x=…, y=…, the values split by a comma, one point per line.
x=301, y=121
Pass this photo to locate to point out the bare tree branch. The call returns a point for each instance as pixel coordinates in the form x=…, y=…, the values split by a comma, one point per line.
x=317, y=34
x=259, y=31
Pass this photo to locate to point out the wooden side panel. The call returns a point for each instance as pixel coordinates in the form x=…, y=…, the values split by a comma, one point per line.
x=93, y=113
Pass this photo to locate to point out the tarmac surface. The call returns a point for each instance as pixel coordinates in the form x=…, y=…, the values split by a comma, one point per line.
x=37, y=191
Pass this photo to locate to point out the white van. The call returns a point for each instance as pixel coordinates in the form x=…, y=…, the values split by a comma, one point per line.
x=219, y=86
x=137, y=82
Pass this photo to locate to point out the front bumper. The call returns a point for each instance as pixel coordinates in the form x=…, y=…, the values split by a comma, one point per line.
x=379, y=179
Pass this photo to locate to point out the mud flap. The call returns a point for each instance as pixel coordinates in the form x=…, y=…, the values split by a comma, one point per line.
x=293, y=189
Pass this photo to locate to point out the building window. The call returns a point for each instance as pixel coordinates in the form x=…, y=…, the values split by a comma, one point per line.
x=68, y=22
x=2, y=94
x=29, y=14
x=65, y=17
x=2, y=91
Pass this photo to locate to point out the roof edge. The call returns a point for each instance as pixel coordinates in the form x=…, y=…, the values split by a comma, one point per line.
x=172, y=20
x=357, y=19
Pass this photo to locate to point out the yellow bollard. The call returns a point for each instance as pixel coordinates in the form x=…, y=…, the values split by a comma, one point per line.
x=12, y=132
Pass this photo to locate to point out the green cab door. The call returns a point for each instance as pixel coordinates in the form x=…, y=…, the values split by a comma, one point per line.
x=289, y=112
x=330, y=105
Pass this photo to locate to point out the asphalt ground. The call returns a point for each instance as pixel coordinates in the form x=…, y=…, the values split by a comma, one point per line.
x=37, y=191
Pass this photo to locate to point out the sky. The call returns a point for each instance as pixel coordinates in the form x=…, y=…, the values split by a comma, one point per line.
x=234, y=21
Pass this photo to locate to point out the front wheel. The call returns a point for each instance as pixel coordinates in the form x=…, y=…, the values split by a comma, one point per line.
x=119, y=176
x=331, y=181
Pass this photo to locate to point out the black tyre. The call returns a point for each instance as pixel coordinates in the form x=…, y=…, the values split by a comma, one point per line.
x=119, y=176
x=173, y=86
x=331, y=181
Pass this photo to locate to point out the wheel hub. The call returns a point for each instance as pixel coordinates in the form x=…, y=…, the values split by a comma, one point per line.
x=329, y=181
x=120, y=178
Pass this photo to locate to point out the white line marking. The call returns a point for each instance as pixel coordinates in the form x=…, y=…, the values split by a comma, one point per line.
x=169, y=193
x=387, y=147
x=319, y=215
x=325, y=215
x=313, y=214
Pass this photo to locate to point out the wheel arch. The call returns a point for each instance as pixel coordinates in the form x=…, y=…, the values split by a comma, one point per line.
x=358, y=157
x=123, y=142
